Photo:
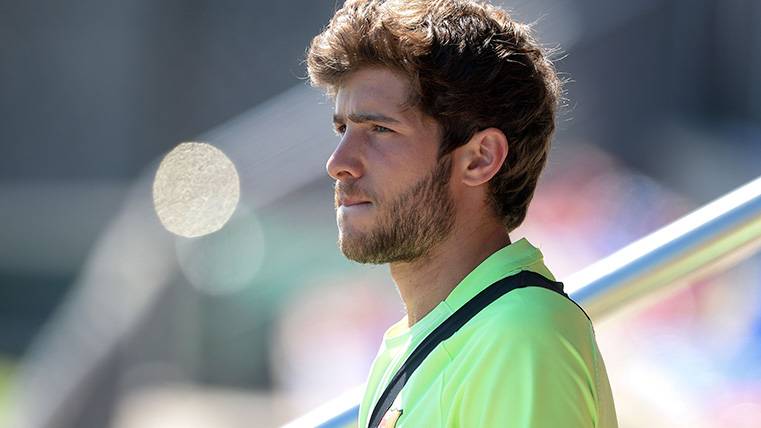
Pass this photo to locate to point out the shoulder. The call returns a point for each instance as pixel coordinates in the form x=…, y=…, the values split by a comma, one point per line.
x=531, y=320
x=526, y=316
x=532, y=347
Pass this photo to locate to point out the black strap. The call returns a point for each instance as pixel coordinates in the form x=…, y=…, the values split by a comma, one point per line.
x=451, y=325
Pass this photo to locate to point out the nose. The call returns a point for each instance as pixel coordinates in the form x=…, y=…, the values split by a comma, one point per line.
x=345, y=163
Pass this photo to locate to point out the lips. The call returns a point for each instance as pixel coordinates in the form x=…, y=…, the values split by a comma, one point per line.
x=350, y=202
x=347, y=195
x=347, y=201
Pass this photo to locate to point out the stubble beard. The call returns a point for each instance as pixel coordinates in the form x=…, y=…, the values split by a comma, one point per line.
x=408, y=227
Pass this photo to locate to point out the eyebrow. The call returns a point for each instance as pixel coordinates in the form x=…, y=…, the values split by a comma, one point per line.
x=365, y=117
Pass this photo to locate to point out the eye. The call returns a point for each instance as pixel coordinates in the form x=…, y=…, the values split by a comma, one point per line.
x=381, y=129
x=339, y=129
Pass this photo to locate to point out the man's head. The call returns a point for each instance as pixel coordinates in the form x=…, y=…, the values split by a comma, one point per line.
x=427, y=91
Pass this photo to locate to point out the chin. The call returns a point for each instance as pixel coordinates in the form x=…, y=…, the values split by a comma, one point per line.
x=347, y=245
x=350, y=242
x=353, y=226
x=349, y=235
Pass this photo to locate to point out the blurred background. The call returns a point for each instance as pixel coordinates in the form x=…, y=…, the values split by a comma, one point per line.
x=108, y=320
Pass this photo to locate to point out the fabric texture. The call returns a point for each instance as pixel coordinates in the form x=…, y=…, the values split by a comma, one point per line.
x=529, y=359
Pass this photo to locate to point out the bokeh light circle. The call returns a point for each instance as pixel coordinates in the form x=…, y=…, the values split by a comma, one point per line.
x=196, y=190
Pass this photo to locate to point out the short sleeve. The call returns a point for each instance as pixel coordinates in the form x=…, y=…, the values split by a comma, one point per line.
x=531, y=375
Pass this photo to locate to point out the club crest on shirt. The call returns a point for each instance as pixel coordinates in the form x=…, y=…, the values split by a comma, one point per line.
x=390, y=418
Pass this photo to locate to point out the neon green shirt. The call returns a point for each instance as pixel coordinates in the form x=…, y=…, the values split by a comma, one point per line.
x=529, y=359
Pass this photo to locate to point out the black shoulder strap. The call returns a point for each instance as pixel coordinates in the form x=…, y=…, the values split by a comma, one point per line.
x=451, y=325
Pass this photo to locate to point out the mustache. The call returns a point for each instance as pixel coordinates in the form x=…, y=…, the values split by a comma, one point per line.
x=351, y=190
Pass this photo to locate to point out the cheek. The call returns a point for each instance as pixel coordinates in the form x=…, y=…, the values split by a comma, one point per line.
x=390, y=188
x=388, y=184
x=382, y=177
x=395, y=164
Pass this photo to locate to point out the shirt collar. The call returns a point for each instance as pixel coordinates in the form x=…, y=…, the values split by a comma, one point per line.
x=518, y=256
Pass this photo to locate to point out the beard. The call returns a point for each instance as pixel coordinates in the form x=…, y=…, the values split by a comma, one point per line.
x=407, y=227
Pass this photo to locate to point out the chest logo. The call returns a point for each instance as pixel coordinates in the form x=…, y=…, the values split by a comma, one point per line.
x=390, y=418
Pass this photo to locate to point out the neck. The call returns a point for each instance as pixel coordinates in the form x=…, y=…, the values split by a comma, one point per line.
x=426, y=282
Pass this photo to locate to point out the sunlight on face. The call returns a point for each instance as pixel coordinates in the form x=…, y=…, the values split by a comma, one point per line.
x=392, y=197
x=196, y=190
x=407, y=227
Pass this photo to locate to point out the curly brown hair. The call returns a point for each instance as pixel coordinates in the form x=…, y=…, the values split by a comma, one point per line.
x=470, y=67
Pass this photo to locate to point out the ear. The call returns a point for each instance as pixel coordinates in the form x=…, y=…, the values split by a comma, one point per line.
x=481, y=157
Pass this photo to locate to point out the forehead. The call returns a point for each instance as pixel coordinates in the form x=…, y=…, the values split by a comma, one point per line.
x=373, y=89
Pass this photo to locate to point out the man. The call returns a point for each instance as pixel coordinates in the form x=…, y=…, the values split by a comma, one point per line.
x=445, y=110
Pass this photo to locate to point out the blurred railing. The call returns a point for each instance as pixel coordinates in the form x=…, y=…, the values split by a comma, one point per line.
x=714, y=237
